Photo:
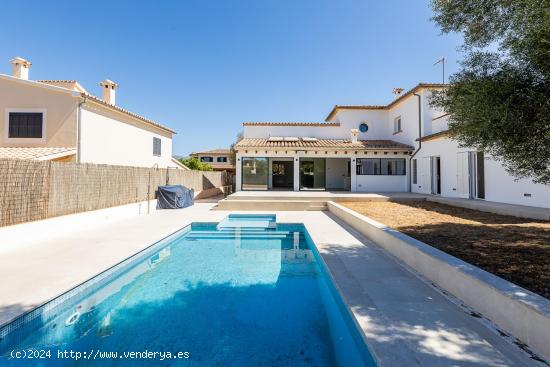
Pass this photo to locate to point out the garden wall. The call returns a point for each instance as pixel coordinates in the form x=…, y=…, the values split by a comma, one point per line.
x=33, y=190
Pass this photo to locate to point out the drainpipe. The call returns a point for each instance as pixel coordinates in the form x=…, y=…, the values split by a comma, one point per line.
x=149, y=188
x=419, y=138
x=78, y=129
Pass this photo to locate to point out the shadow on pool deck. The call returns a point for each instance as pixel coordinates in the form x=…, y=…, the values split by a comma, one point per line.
x=408, y=320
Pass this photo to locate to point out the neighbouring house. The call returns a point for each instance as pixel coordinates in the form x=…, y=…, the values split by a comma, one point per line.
x=218, y=159
x=60, y=120
x=398, y=147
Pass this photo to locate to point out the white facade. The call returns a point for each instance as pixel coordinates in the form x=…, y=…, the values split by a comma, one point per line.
x=458, y=179
x=59, y=115
x=442, y=168
x=111, y=138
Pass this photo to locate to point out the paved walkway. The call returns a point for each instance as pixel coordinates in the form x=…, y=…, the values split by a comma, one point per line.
x=405, y=320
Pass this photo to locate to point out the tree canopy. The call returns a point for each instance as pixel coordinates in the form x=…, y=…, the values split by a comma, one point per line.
x=232, y=152
x=499, y=101
x=195, y=164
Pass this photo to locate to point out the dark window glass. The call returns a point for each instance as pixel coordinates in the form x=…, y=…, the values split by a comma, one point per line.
x=207, y=159
x=397, y=125
x=415, y=171
x=312, y=173
x=25, y=125
x=222, y=159
x=392, y=166
x=368, y=166
x=480, y=173
x=381, y=166
x=156, y=146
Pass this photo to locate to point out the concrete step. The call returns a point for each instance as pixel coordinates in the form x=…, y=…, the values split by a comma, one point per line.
x=266, y=205
x=323, y=197
x=278, y=198
x=318, y=206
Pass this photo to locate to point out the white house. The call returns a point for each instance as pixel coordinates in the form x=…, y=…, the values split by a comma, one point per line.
x=218, y=159
x=60, y=120
x=398, y=147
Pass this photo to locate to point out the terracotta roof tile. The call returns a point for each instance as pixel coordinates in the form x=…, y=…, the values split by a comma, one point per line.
x=123, y=110
x=213, y=151
x=69, y=84
x=216, y=165
x=75, y=86
x=323, y=143
x=389, y=105
x=441, y=134
x=41, y=153
x=325, y=124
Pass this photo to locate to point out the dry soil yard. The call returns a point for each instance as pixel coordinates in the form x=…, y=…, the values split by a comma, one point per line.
x=513, y=248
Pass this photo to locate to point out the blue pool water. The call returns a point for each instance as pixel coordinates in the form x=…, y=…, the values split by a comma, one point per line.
x=237, y=295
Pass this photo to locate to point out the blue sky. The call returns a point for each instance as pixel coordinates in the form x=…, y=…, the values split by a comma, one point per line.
x=203, y=67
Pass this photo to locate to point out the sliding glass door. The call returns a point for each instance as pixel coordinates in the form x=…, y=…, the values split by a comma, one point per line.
x=312, y=173
x=254, y=174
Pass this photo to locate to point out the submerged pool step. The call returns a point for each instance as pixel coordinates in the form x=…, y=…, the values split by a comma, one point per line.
x=228, y=235
x=265, y=221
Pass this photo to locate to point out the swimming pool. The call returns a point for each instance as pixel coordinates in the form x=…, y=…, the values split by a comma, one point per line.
x=243, y=292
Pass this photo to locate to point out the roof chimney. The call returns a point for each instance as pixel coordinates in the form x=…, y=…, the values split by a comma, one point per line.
x=109, y=88
x=20, y=68
x=354, y=135
x=398, y=92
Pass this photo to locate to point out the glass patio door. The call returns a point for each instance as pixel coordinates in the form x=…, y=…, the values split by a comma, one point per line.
x=312, y=173
x=254, y=174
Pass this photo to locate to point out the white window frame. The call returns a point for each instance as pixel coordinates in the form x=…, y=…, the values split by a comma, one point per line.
x=397, y=127
x=41, y=140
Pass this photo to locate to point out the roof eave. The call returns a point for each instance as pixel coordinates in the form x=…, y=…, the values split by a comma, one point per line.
x=49, y=157
x=389, y=105
x=290, y=124
x=89, y=97
x=438, y=135
x=40, y=85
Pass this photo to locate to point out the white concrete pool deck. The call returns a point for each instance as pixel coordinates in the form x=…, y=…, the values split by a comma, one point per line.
x=406, y=321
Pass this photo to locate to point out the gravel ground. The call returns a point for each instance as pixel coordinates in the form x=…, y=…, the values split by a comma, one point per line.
x=515, y=249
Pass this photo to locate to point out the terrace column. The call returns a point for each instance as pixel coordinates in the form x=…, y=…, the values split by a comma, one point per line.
x=353, y=172
x=238, y=172
x=296, y=172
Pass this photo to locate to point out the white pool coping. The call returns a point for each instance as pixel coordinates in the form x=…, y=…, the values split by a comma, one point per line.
x=405, y=321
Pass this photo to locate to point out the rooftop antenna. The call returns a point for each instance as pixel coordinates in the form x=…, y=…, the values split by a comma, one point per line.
x=442, y=62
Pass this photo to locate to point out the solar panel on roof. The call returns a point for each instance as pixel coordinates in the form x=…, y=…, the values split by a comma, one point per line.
x=275, y=138
x=309, y=139
x=291, y=138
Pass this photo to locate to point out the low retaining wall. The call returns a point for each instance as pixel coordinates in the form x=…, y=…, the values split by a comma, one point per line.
x=515, y=310
x=520, y=211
